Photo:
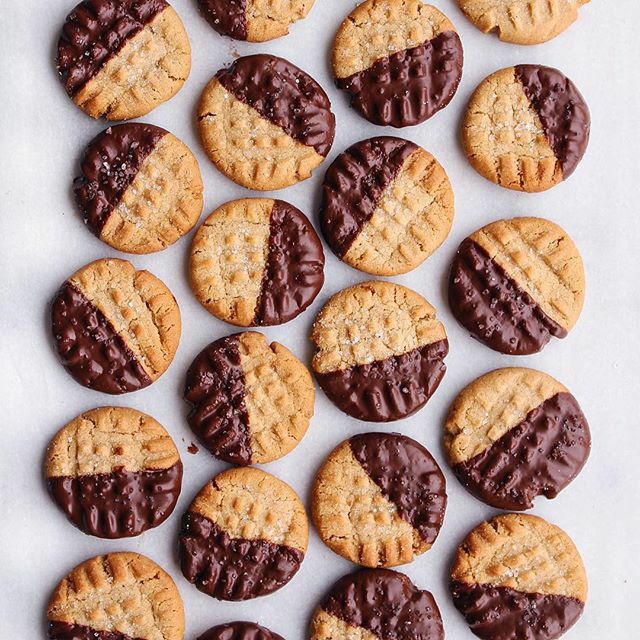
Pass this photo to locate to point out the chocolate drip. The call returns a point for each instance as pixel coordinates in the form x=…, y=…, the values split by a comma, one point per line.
x=284, y=95
x=233, y=568
x=66, y=631
x=239, y=631
x=354, y=184
x=493, y=307
x=409, y=86
x=89, y=347
x=562, y=111
x=388, y=389
x=227, y=17
x=502, y=613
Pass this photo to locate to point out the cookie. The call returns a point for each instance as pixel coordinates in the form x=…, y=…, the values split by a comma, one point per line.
x=256, y=262
x=522, y=21
x=251, y=401
x=244, y=535
x=379, y=351
x=379, y=500
x=115, y=329
x=239, y=631
x=515, y=434
x=118, y=596
x=515, y=283
x=526, y=128
x=119, y=59
x=264, y=123
x=139, y=189
x=518, y=576
x=400, y=61
x=387, y=205
x=377, y=604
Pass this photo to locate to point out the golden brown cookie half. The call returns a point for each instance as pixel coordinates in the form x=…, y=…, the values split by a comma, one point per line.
x=526, y=128
x=515, y=434
x=515, y=283
x=115, y=329
x=251, y=401
x=265, y=123
x=244, y=535
x=256, y=262
x=379, y=500
x=379, y=351
x=140, y=188
x=399, y=60
x=117, y=596
x=518, y=576
x=387, y=205
x=114, y=472
x=119, y=59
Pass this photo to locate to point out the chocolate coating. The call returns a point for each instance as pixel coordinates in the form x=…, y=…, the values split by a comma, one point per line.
x=215, y=389
x=233, y=568
x=562, y=111
x=110, y=164
x=354, y=184
x=284, y=95
x=239, y=631
x=492, y=306
x=388, y=389
x=294, y=273
x=89, y=347
x=408, y=476
x=387, y=604
x=58, y=630
x=227, y=17
x=540, y=456
x=409, y=86
x=501, y=613
x=95, y=31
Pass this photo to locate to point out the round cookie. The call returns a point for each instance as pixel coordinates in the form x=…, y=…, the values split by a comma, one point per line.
x=515, y=283
x=265, y=123
x=387, y=205
x=256, y=262
x=515, y=434
x=117, y=596
x=114, y=472
x=119, y=59
x=140, y=188
x=115, y=329
x=239, y=631
x=251, y=401
x=400, y=61
x=379, y=351
x=522, y=21
x=379, y=500
x=526, y=128
x=244, y=535
x=518, y=576
x=377, y=604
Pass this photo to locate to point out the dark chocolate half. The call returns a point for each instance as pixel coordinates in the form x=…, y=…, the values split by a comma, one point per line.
x=233, y=568
x=492, y=306
x=89, y=347
x=239, y=631
x=540, y=456
x=562, y=111
x=285, y=95
x=95, y=31
x=58, y=630
x=215, y=389
x=388, y=389
x=408, y=476
x=409, y=86
x=119, y=504
x=227, y=17
x=354, y=184
x=502, y=613
x=387, y=604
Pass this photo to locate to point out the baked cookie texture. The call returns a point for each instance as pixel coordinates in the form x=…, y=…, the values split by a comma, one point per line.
x=518, y=576
x=387, y=205
x=116, y=596
x=121, y=59
x=516, y=283
x=239, y=631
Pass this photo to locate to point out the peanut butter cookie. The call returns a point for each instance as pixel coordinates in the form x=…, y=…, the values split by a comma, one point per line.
x=239, y=631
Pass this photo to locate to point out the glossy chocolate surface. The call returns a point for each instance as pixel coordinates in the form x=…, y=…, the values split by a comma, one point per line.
x=227, y=17
x=58, y=630
x=239, y=631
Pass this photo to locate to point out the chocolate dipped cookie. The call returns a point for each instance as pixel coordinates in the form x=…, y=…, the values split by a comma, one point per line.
x=239, y=631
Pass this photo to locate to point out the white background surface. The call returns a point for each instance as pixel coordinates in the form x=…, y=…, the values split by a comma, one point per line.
x=43, y=240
